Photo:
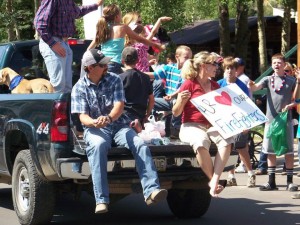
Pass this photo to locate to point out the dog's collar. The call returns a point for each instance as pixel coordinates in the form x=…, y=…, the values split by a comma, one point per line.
x=15, y=82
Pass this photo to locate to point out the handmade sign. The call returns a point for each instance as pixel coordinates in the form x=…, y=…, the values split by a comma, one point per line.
x=229, y=110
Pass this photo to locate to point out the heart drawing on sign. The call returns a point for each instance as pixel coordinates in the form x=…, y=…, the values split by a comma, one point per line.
x=224, y=98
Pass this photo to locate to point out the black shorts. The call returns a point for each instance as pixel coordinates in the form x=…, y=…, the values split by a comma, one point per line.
x=241, y=140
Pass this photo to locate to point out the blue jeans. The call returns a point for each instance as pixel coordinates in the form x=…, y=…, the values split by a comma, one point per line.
x=158, y=89
x=160, y=104
x=59, y=68
x=263, y=163
x=99, y=142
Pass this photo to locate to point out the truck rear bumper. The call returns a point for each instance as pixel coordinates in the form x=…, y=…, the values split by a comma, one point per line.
x=174, y=168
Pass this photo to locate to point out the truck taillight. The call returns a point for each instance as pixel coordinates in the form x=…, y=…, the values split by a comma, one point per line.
x=60, y=122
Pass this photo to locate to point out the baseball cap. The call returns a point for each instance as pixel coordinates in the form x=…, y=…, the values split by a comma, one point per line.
x=94, y=56
x=130, y=55
x=240, y=61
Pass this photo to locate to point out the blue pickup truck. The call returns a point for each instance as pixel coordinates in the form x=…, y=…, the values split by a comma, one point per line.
x=41, y=157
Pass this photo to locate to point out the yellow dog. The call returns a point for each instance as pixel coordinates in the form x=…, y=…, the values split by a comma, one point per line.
x=19, y=85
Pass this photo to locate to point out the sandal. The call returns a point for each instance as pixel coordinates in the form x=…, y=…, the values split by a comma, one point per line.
x=268, y=187
x=220, y=187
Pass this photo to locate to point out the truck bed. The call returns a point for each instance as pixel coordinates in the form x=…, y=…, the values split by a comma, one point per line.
x=176, y=160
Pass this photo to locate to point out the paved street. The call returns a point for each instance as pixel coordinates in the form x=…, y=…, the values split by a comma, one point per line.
x=236, y=206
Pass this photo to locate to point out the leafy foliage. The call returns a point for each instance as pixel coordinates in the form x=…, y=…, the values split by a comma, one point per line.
x=21, y=17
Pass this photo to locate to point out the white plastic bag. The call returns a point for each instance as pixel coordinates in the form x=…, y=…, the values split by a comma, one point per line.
x=155, y=126
x=147, y=136
x=153, y=130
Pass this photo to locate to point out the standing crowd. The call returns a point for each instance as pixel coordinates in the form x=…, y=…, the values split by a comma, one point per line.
x=119, y=90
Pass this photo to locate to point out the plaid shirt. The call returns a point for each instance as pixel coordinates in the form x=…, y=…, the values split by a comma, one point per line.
x=98, y=100
x=57, y=18
x=171, y=74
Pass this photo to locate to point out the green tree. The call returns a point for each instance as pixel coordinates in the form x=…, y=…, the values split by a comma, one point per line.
x=16, y=19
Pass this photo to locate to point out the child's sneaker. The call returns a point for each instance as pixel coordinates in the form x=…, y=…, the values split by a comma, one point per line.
x=231, y=182
x=251, y=182
x=240, y=169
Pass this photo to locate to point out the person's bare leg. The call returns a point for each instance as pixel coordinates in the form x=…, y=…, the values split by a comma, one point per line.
x=245, y=157
x=219, y=164
x=271, y=160
x=205, y=162
x=289, y=161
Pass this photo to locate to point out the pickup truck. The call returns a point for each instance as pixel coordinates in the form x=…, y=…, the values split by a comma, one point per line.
x=41, y=157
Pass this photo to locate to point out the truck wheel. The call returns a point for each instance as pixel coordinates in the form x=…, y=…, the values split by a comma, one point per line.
x=33, y=197
x=188, y=203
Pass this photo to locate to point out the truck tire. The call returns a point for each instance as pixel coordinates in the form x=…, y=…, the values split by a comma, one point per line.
x=188, y=203
x=33, y=197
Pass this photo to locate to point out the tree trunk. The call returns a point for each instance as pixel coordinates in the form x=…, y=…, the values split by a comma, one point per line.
x=36, y=6
x=11, y=36
x=286, y=29
x=242, y=33
x=224, y=29
x=261, y=36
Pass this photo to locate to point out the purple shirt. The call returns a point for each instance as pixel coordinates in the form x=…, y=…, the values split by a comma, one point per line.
x=57, y=18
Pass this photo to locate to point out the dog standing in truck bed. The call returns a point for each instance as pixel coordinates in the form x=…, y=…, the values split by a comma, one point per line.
x=19, y=85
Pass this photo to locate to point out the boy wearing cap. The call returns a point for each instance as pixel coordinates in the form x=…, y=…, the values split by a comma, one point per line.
x=137, y=86
x=98, y=98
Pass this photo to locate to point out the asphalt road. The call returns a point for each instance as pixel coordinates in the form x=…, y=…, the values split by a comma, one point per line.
x=236, y=206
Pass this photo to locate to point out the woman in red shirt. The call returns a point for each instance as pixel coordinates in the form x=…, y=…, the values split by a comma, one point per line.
x=195, y=128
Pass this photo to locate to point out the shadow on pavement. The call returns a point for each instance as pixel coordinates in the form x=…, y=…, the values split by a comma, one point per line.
x=132, y=211
x=6, y=199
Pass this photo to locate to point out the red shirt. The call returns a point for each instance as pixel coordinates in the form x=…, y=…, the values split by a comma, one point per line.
x=190, y=112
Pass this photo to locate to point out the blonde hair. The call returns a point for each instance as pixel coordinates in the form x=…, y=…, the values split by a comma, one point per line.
x=191, y=67
x=181, y=48
x=131, y=17
x=289, y=66
x=140, y=30
x=103, y=27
